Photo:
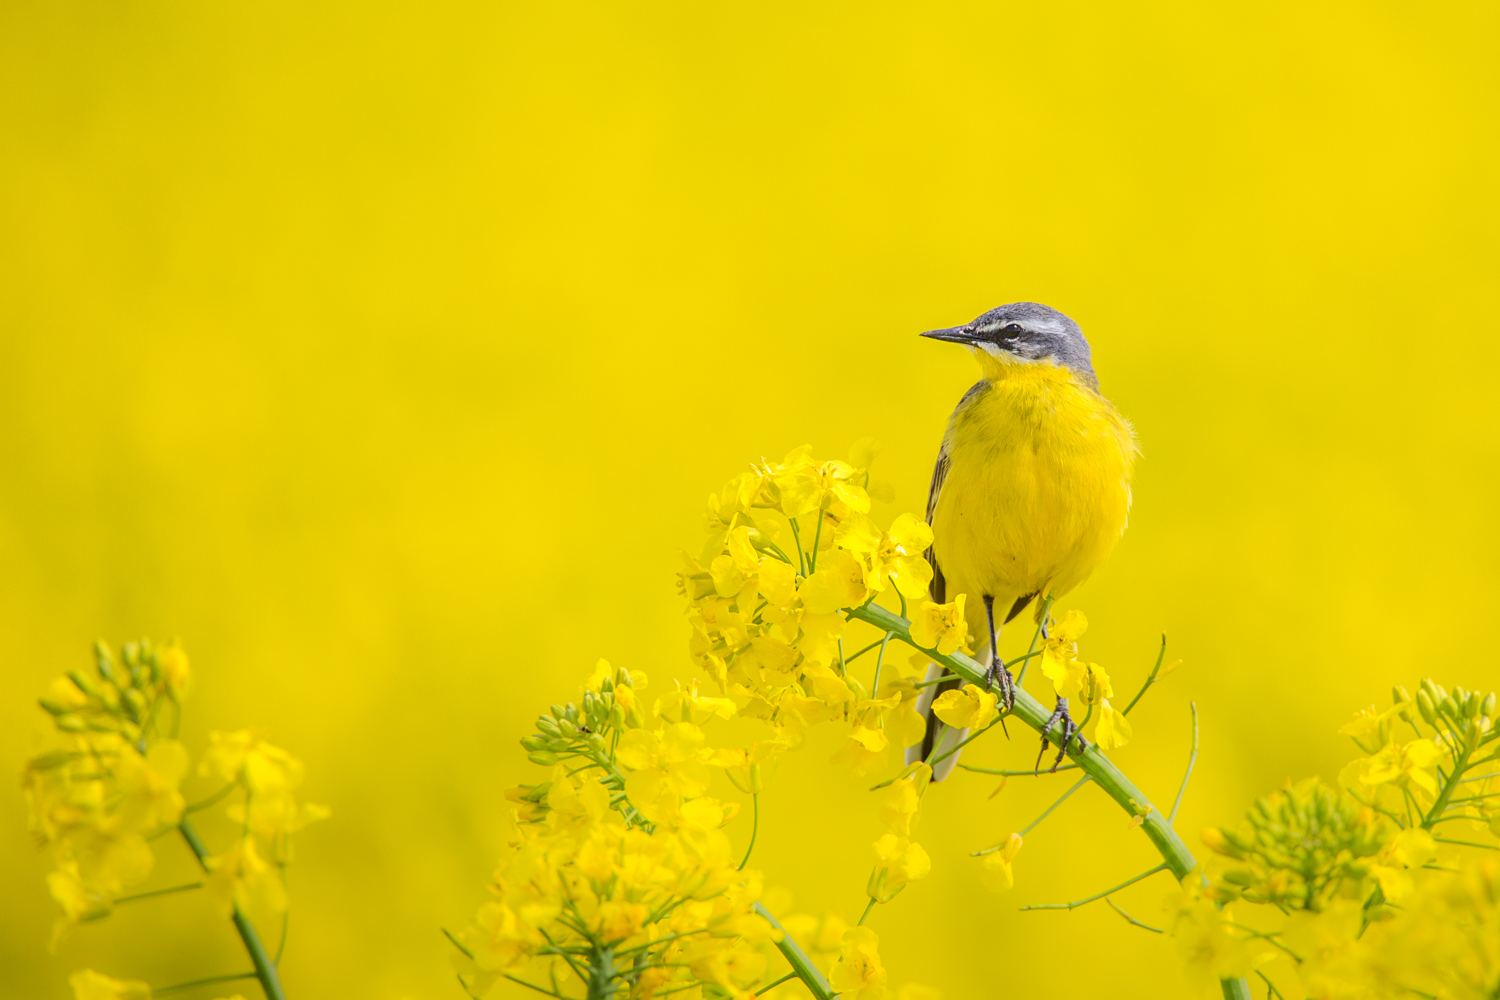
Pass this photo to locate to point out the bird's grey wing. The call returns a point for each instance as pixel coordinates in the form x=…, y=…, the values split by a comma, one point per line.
x=939, y=473
x=938, y=589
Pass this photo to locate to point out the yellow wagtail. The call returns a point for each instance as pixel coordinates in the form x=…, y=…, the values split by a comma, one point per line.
x=1031, y=488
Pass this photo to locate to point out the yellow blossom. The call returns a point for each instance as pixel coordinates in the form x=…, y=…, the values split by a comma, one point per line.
x=940, y=627
x=1411, y=765
x=241, y=879
x=859, y=975
x=1409, y=848
x=1208, y=941
x=897, y=862
x=839, y=582
x=90, y=985
x=901, y=800
x=965, y=708
x=996, y=873
x=1113, y=730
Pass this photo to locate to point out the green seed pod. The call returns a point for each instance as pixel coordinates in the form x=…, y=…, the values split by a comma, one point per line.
x=84, y=683
x=1426, y=707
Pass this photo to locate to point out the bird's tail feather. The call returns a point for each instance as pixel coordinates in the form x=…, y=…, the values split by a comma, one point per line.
x=944, y=737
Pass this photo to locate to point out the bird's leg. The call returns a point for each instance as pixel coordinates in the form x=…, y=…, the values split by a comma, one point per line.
x=1070, y=731
x=997, y=668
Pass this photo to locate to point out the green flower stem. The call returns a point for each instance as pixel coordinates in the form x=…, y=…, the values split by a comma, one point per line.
x=1131, y=920
x=1060, y=800
x=1098, y=895
x=754, y=828
x=1449, y=787
x=798, y=960
x=1003, y=773
x=158, y=892
x=1111, y=779
x=265, y=969
x=1032, y=650
x=1151, y=677
x=1187, y=775
x=178, y=987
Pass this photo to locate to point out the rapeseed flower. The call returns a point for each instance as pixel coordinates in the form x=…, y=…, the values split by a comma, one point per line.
x=859, y=974
x=940, y=626
x=996, y=872
x=90, y=985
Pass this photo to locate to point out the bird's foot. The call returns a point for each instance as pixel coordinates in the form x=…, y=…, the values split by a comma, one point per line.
x=1070, y=732
x=998, y=673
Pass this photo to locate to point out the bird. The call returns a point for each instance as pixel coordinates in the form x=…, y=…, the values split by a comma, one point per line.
x=1030, y=492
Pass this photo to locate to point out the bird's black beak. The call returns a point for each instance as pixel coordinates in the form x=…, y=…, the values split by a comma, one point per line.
x=954, y=335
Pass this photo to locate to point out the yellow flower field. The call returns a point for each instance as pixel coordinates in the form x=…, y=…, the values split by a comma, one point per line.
x=379, y=363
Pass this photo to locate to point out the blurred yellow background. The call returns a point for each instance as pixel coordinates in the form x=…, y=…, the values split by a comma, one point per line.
x=387, y=353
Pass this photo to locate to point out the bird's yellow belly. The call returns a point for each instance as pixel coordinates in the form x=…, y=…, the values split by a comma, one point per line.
x=1037, y=491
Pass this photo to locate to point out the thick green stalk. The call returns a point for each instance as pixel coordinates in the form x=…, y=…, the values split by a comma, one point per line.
x=798, y=960
x=265, y=968
x=1092, y=761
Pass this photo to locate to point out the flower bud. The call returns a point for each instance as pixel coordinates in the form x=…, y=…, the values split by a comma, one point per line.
x=1214, y=840
x=596, y=741
x=542, y=757
x=1471, y=705
x=1425, y=706
x=1428, y=686
x=1398, y=695
x=534, y=741
x=84, y=683
x=570, y=712
x=1487, y=707
x=547, y=724
x=567, y=727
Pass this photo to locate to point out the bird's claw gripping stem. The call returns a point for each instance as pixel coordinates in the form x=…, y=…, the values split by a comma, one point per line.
x=999, y=673
x=1070, y=731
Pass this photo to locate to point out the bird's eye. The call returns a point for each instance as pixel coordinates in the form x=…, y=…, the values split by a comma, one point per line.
x=1011, y=329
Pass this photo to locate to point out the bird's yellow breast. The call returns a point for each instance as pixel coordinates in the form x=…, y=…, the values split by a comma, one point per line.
x=1038, y=485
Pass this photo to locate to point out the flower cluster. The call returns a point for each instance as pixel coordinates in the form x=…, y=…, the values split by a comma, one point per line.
x=1376, y=899
x=1073, y=678
x=111, y=786
x=618, y=876
x=111, y=782
x=766, y=624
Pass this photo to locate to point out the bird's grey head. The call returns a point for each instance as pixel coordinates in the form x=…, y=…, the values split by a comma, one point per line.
x=1027, y=332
